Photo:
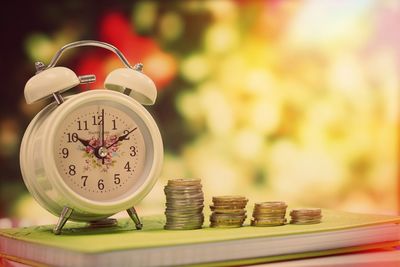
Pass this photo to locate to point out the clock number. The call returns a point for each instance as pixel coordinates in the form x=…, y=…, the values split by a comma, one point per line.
x=83, y=125
x=97, y=120
x=114, y=125
x=126, y=132
x=133, y=151
x=84, y=178
x=127, y=167
x=72, y=137
x=72, y=170
x=117, y=180
x=65, y=152
x=100, y=184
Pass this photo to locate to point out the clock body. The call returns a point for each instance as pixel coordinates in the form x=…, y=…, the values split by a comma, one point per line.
x=99, y=152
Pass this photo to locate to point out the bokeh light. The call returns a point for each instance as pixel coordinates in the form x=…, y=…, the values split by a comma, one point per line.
x=275, y=100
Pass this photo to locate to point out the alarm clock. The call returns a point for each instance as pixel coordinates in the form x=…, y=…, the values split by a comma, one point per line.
x=87, y=156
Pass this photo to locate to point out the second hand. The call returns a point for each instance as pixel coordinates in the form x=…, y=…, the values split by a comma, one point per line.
x=102, y=132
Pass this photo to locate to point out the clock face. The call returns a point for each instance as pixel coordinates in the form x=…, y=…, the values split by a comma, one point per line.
x=100, y=151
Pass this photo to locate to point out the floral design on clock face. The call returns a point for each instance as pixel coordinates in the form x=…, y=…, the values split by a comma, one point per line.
x=92, y=160
x=100, y=151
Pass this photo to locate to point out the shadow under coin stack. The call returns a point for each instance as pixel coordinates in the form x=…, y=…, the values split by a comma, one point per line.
x=228, y=211
x=271, y=213
x=306, y=216
x=184, y=206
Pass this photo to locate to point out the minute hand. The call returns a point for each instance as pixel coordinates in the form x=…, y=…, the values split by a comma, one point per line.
x=121, y=138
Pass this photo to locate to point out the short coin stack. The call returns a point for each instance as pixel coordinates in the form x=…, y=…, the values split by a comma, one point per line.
x=306, y=216
x=228, y=211
x=271, y=213
x=184, y=206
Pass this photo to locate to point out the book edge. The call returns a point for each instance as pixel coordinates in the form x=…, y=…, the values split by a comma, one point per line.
x=387, y=219
x=259, y=260
x=333, y=241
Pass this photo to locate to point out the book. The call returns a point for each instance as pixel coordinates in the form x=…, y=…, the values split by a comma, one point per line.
x=389, y=257
x=339, y=232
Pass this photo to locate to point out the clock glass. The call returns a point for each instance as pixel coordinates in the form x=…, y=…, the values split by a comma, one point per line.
x=100, y=151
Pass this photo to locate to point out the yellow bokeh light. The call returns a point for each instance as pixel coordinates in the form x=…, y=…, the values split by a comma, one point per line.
x=40, y=47
x=144, y=15
x=221, y=38
x=171, y=26
x=195, y=68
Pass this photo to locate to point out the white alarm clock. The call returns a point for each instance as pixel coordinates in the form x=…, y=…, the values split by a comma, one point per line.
x=88, y=156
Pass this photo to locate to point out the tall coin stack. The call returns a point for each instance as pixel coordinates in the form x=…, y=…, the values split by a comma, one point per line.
x=306, y=216
x=228, y=211
x=184, y=206
x=271, y=213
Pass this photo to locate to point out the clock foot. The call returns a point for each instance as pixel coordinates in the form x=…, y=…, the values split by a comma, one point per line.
x=65, y=214
x=132, y=213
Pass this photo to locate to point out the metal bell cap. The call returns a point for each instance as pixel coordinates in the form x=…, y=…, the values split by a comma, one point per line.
x=133, y=83
x=49, y=81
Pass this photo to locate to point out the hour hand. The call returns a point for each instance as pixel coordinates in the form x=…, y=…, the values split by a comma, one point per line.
x=86, y=143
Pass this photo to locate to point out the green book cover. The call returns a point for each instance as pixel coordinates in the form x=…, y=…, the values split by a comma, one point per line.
x=153, y=246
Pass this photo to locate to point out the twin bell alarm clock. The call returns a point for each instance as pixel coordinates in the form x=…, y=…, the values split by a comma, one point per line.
x=88, y=156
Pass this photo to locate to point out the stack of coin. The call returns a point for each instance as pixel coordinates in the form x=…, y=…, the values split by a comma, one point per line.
x=306, y=216
x=228, y=211
x=271, y=213
x=184, y=206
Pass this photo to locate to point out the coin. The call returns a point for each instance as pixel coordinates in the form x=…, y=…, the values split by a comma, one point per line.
x=269, y=213
x=306, y=216
x=183, y=190
x=189, y=221
x=229, y=198
x=226, y=207
x=184, y=182
x=263, y=222
x=103, y=223
x=226, y=224
x=184, y=215
x=271, y=204
x=257, y=213
x=174, y=197
x=229, y=202
x=187, y=202
x=267, y=216
x=227, y=218
x=306, y=211
x=228, y=211
x=235, y=212
x=182, y=210
x=184, y=204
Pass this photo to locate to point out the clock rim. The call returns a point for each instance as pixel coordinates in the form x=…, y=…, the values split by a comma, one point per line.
x=96, y=206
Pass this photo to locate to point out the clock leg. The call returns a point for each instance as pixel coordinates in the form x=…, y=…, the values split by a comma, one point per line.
x=133, y=214
x=65, y=214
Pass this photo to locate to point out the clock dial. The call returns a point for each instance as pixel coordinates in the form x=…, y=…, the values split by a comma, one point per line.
x=100, y=151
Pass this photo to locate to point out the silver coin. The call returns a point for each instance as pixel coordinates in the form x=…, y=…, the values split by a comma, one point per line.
x=271, y=204
x=184, y=181
x=173, y=227
x=185, y=196
x=181, y=188
x=215, y=225
x=183, y=223
x=195, y=218
x=184, y=209
x=194, y=200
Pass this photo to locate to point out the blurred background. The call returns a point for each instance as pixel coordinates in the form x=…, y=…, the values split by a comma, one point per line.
x=275, y=100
